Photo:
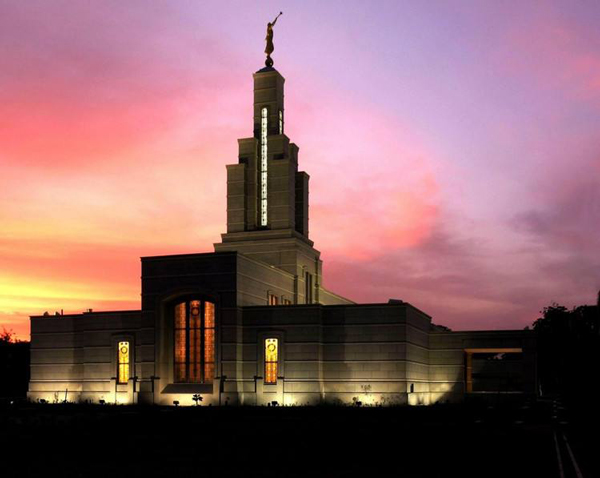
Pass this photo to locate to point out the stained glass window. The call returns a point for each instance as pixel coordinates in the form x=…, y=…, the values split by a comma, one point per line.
x=194, y=345
x=209, y=342
x=271, y=360
x=194, y=351
x=181, y=333
x=123, y=360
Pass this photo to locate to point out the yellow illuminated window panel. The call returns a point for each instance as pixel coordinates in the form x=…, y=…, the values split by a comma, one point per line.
x=271, y=360
x=123, y=355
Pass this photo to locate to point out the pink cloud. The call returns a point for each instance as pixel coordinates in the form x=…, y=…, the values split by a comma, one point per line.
x=116, y=124
x=558, y=55
x=126, y=148
x=373, y=180
x=77, y=92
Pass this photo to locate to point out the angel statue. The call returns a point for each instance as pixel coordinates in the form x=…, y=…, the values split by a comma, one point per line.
x=270, y=47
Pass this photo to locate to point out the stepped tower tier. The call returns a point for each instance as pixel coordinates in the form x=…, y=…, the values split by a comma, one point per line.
x=267, y=197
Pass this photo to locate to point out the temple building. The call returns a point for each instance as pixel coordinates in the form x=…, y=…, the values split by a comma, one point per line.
x=253, y=323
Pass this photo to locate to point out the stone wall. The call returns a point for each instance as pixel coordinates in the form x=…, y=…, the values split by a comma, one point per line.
x=73, y=357
x=342, y=353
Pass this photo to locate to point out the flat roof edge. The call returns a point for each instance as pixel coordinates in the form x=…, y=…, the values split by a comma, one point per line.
x=95, y=312
x=486, y=331
x=187, y=255
x=369, y=304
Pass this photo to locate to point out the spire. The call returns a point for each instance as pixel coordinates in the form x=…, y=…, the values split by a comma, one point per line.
x=267, y=195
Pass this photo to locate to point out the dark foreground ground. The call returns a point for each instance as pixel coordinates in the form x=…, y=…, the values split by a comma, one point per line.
x=473, y=440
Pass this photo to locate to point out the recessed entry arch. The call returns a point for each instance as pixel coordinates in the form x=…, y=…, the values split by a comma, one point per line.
x=187, y=342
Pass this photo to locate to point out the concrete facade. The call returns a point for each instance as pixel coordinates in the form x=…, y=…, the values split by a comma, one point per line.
x=265, y=283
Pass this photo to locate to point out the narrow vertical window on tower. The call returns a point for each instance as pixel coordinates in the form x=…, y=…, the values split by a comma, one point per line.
x=263, y=166
x=271, y=360
x=280, y=122
x=308, y=287
x=123, y=356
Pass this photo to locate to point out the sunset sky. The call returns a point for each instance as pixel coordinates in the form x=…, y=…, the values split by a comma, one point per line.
x=453, y=147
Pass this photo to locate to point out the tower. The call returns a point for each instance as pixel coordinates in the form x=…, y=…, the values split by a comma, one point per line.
x=267, y=197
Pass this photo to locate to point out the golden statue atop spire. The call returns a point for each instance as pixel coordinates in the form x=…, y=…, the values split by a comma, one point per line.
x=270, y=47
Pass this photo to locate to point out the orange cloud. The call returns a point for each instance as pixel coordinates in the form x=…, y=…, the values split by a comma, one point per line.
x=110, y=153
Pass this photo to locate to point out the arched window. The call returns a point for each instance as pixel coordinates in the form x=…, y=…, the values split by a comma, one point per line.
x=194, y=342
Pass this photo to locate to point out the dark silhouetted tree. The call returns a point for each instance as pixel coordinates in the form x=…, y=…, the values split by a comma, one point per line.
x=568, y=349
x=7, y=336
x=14, y=365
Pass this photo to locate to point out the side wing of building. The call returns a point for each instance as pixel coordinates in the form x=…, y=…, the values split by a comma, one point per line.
x=74, y=357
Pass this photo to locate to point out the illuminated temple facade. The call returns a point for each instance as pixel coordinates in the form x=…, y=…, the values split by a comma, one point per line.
x=252, y=322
